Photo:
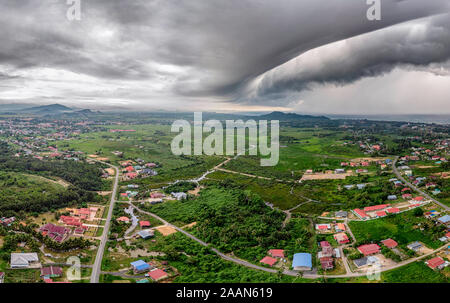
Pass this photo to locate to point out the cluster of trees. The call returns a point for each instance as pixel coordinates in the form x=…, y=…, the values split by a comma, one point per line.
x=80, y=174
x=118, y=229
x=20, y=195
x=238, y=221
x=182, y=186
x=11, y=244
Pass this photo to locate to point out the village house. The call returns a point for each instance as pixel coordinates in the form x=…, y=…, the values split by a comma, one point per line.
x=393, y=210
x=268, y=261
x=369, y=249
x=146, y=234
x=323, y=227
x=341, y=214
x=139, y=266
x=302, y=262
x=415, y=246
x=365, y=261
x=123, y=219
x=156, y=195
x=71, y=221
x=360, y=213
x=389, y=243
x=54, y=232
x=340, y=227
x=326, y=263
x=445, y=220
x=7, y=221
x=341, y=238
x=436, y=263
x=144, y=224
x=24, y=260
x=157, y=274
x=51, y=272
x=179, y=196
x=276, y=253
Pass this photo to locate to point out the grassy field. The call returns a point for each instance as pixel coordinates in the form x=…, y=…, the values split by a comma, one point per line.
x=403, y=228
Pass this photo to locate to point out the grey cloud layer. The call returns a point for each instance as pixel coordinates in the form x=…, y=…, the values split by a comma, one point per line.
x=205, y=48
x=422, y=45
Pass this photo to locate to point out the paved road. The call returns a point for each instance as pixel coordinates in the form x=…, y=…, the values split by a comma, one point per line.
x=397, y=173
x=96, y=269
x=286, y=272
x=97, y=265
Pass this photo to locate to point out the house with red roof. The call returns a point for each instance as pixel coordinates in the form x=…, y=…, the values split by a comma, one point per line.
x=407, y=196
x=157, y=274
x=340, y=227
x=369, y=249
x=326, y=263
x=131, y=175
x=361, y=213
x=393, y=210
x=436, y=263
x=51, y=272
x=144, y=223
x=123, y=219
x=419, y=198
x=323, y=227
x=276, y=253
x=268, y=261
x=389, y=243
x=327, y=250
x=71, y=221
x=54, y=232
x=376, y=207
x=341, y=238
x=381, y=214
x=129, y=169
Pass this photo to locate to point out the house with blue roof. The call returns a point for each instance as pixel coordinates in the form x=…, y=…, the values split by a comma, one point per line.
x=444, y=220
x=140, y=266
x=302, y=262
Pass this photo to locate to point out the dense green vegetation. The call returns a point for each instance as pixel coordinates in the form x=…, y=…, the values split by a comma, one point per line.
x=80, y=174
x=238, y=221
x=21, y=193
x=182, y=186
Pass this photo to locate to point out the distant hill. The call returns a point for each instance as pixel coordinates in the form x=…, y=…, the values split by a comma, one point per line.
x=14, y=107
x=291, y=117
x=52, y=110
x=49, y=109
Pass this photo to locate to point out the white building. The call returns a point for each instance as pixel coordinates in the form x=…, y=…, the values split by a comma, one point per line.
x=24, y=260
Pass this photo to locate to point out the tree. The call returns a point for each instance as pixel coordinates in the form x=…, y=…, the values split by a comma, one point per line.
x=418, y=212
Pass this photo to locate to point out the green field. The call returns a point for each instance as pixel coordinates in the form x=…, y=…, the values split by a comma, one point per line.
x=403, y=228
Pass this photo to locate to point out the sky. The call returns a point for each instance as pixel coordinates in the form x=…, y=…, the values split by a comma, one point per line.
x=304, y=56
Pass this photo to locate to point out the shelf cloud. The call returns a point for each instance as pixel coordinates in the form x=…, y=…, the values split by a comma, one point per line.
x=210, y=54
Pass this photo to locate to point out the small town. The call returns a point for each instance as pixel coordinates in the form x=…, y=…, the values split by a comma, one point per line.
x=225, y=150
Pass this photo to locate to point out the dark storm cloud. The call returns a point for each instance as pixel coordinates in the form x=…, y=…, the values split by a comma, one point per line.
x=422, y=45
x=207, y=48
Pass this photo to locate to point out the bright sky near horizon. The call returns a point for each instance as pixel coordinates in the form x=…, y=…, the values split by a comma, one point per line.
x=303, y=56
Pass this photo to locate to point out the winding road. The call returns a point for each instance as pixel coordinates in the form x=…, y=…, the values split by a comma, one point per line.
x=96, y=269
x=293, y=273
